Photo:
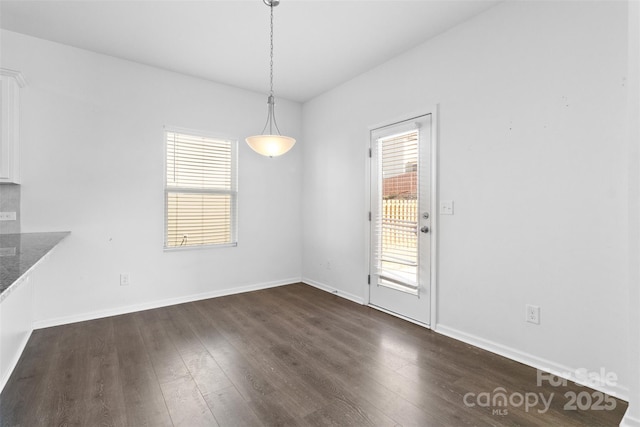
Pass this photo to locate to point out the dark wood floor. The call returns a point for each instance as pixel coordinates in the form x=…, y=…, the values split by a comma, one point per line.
x=291, y=355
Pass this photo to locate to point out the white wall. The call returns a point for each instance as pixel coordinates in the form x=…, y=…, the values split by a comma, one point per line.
x=532, y=149
x=632, y=417
x=532, y=106
x=92, y=163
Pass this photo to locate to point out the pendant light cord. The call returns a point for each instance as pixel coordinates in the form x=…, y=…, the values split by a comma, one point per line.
x=271, y=116
x=271, y=58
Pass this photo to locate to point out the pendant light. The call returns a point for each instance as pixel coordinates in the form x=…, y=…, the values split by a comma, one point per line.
x=271, y=144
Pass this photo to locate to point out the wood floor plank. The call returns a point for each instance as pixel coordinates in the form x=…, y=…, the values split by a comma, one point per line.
x=186, y=405
x=144, y=401
x=250, y=381
x=65, y=390
x=305, y=399
x=27, y=384
x=205, y=371
x=325, y=315
x=273, y=409
x=230, y=409
x=257, y=367
x=404, y=413
x=345, y=413
x=203, y=327
x=285, y=356
x=264, y=329
x=103, y=399
x=167, y=363
x=216, y=312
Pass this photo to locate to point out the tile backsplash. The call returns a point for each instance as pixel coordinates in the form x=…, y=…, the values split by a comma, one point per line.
x=10, y=202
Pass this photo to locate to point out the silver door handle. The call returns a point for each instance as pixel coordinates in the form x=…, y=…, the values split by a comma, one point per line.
x=424, y=229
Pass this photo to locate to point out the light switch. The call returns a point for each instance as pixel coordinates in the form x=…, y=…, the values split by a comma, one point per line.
x=446, y=207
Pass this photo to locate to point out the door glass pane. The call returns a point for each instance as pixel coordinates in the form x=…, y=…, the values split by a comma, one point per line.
x=398, y=212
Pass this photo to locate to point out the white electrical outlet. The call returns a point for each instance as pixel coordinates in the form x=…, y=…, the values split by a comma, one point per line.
x=7, y=216
x=533, y=314
x=124, y=279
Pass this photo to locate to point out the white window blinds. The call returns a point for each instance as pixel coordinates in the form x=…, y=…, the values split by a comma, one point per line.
x=200, y=191
x=395, y=212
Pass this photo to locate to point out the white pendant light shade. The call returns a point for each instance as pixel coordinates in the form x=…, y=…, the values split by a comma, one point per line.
x=270, y=145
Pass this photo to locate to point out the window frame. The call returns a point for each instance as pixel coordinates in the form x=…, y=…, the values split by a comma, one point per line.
x=233, y=192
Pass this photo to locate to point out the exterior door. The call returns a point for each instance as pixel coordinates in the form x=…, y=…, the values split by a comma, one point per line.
x=400, y=270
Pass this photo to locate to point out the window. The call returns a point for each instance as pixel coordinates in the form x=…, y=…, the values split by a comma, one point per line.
x=201, y=190
x=396, y=216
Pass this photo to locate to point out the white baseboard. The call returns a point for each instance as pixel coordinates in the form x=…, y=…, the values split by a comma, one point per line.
x=14, y=362
x=542, y=364
x=46, y=323
x=333, y=290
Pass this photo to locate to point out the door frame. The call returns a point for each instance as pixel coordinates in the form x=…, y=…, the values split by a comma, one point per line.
x=435, y=217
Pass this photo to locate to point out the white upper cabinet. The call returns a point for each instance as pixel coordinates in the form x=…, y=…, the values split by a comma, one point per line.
x=12, y=81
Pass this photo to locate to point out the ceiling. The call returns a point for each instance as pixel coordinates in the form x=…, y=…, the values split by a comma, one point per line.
x=319, y=44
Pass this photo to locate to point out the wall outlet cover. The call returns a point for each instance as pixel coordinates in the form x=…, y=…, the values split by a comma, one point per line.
x=533, y=314
x=7, y=216
x=124, y=279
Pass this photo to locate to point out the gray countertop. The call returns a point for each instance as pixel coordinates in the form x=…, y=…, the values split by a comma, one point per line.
x=20, y=252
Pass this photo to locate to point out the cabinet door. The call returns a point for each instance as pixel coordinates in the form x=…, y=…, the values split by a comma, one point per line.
x=11, y=82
